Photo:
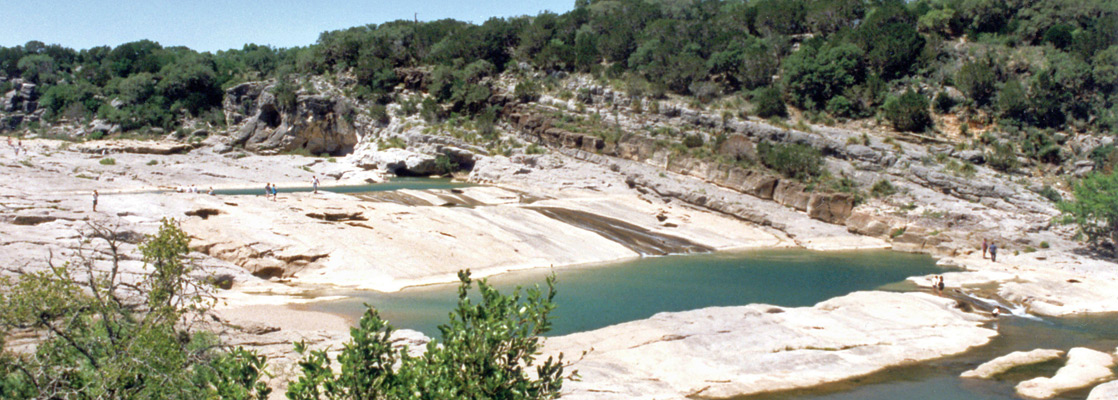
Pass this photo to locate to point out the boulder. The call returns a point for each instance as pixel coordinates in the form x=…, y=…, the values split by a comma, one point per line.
x=972, y=156
x=1085, y=367
x=830, y=207
x=316, y=124
x=738, y=147
x=1106, y=391
x=1009, y=361
x=10, y=101
x=400, y=162
x=102, y=126
x=867, y=224
x=791, y=193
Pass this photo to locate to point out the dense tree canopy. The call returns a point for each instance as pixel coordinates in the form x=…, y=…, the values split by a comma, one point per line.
x=857, y=49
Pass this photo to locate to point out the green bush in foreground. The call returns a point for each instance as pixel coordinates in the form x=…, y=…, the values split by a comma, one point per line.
x=119, y=340
x=484, y=354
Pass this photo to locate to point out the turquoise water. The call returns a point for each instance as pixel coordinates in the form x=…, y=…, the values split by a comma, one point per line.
x=392, y=184
x=591, y=298
x=939, y=380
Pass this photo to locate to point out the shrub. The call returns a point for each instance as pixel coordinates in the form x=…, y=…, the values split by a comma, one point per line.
x=909, y=112
x=883, y=188
x=693, y=141
x=793, y=160
x=943, y=102
x=379, y=113
x=285, y=92
x=1013, y=103
x=484, y=352
x=108, y=161
x=152, y=162
x=527, y=91
x=535, y=149
x=112, y=337
x=445, y=165
x=841, y=107
x=976, y=80
x=1044, y=245
x=1051, y=194
x=896, y=232
x=768, y=103
x=1095, y=208
x=1004, y=158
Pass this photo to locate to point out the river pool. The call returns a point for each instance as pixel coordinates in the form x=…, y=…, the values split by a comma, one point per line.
x=598, y=296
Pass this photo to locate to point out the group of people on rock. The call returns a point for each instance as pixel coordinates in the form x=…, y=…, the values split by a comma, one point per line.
x=194, y=189
x=272, y=191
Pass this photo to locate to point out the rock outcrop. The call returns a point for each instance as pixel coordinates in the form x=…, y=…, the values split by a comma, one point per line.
x=1106, y=391
x=822, y=205
x=722, y=352
x=315, y=123
x=19, y=105
x=1012, y=360
x=1085, y=367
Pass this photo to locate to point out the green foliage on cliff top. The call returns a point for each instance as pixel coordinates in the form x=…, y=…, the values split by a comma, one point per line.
x=1095, y=208
x=1062, y=52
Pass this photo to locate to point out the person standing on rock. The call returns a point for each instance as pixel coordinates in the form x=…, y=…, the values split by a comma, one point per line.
x=314, y=182
x=993, y=252
x=275, y=192
x=985, y=246
x=267, y=190
x=95, y=201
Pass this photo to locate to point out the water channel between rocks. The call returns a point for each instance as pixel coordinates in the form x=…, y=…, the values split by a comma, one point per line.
x=391, y=185
x=594, y=297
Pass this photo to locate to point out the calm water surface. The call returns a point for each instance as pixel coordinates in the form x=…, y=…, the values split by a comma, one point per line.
x=392, y=184
x=594, y=297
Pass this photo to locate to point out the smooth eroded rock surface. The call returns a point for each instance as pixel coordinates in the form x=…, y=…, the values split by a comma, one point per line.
x=1004, y=363
x=723, y=352
x=1106, y=391
x=1084, y=368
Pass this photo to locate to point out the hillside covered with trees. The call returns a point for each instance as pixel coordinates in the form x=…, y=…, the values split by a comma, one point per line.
x=1033, y=67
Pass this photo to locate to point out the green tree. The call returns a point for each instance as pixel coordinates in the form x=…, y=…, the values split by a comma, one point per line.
x=890, y=40
x=38, y=68
x=767, y=103
x=976, y=80
x=812, y=76
x=1013, y=102
x=909, y=112
x=1095, y=208
x=113, y=338
x=484, y=353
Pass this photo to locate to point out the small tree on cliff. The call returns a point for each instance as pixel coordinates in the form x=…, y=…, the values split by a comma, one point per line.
x=484, y=353
x=1095, y=208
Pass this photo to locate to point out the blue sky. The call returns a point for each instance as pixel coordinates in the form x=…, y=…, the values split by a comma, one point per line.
x=210, y=25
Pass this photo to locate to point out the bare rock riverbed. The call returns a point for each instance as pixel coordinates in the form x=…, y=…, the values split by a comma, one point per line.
x=535, y=211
